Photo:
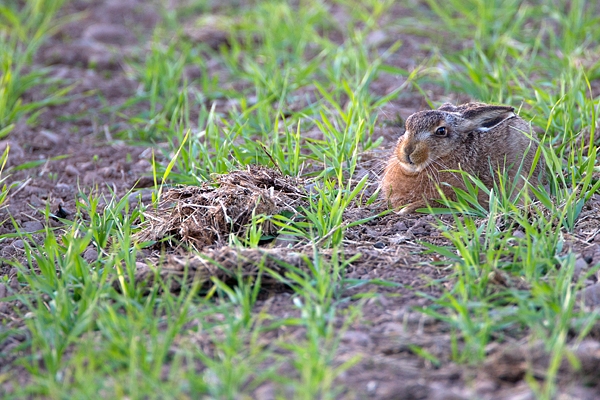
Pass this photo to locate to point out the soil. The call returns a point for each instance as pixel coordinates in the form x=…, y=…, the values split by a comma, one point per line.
x=74, y=148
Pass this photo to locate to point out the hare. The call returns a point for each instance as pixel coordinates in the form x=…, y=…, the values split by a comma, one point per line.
x=477, y=138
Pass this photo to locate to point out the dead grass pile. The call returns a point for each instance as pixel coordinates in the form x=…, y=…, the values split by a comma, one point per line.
x=201, y=216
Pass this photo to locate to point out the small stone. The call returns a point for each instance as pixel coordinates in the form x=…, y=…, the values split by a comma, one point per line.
x=588, y=353
x=589, y=282
x=141, y=266
x=581, y=266
x=90, y=255
x=147, y=154
x=145, y=196
x=16, y=152
x=401, y=226
x=87, y=166
x=31, y=226
x=372, y=387
x=399, y=239
x=108, y=172
x=383, y=301
x=357, y=338
x=71, y=170
x=591, y=295
x=376, y=38
x=419, y=231
x=51, y=136
x=18, y=244
x=14, y=284
x=90, y=178
x=211, y=34
x=144, y=182
x=109, y=34
x=63, y=187
x=143, y=165
x=265, y=391
x=519, y=234
x=379, y=245
x=35, y=201
x=311, y=188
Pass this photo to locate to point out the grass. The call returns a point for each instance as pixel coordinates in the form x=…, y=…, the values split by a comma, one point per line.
x=22, y=31
x=302, y=102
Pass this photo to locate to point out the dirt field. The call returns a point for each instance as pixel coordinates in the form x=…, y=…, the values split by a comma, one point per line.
x=399, y=351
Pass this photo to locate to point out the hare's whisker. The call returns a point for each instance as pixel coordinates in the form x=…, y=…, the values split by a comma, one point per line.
x=444, y=167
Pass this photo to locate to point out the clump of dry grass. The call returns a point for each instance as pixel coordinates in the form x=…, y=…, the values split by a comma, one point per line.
x=201, y=216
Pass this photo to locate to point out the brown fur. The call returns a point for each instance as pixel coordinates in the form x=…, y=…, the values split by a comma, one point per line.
x=477, y=136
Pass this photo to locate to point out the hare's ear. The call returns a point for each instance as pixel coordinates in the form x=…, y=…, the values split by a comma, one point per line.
x=449, y=107
x=486, y=117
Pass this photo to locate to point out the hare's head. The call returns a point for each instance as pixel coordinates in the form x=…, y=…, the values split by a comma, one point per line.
x=435, y=135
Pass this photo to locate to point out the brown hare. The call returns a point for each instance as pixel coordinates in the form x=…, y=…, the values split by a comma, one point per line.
x=477, y=138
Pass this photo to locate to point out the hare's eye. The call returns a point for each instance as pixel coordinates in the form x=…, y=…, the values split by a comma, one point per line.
x=441, y=131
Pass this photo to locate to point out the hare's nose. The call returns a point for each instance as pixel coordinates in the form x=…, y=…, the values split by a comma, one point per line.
x=408, y=150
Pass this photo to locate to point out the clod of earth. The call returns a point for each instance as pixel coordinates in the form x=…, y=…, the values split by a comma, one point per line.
x=226, y=264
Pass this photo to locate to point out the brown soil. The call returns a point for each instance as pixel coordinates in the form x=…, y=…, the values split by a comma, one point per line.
x=90, y=53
